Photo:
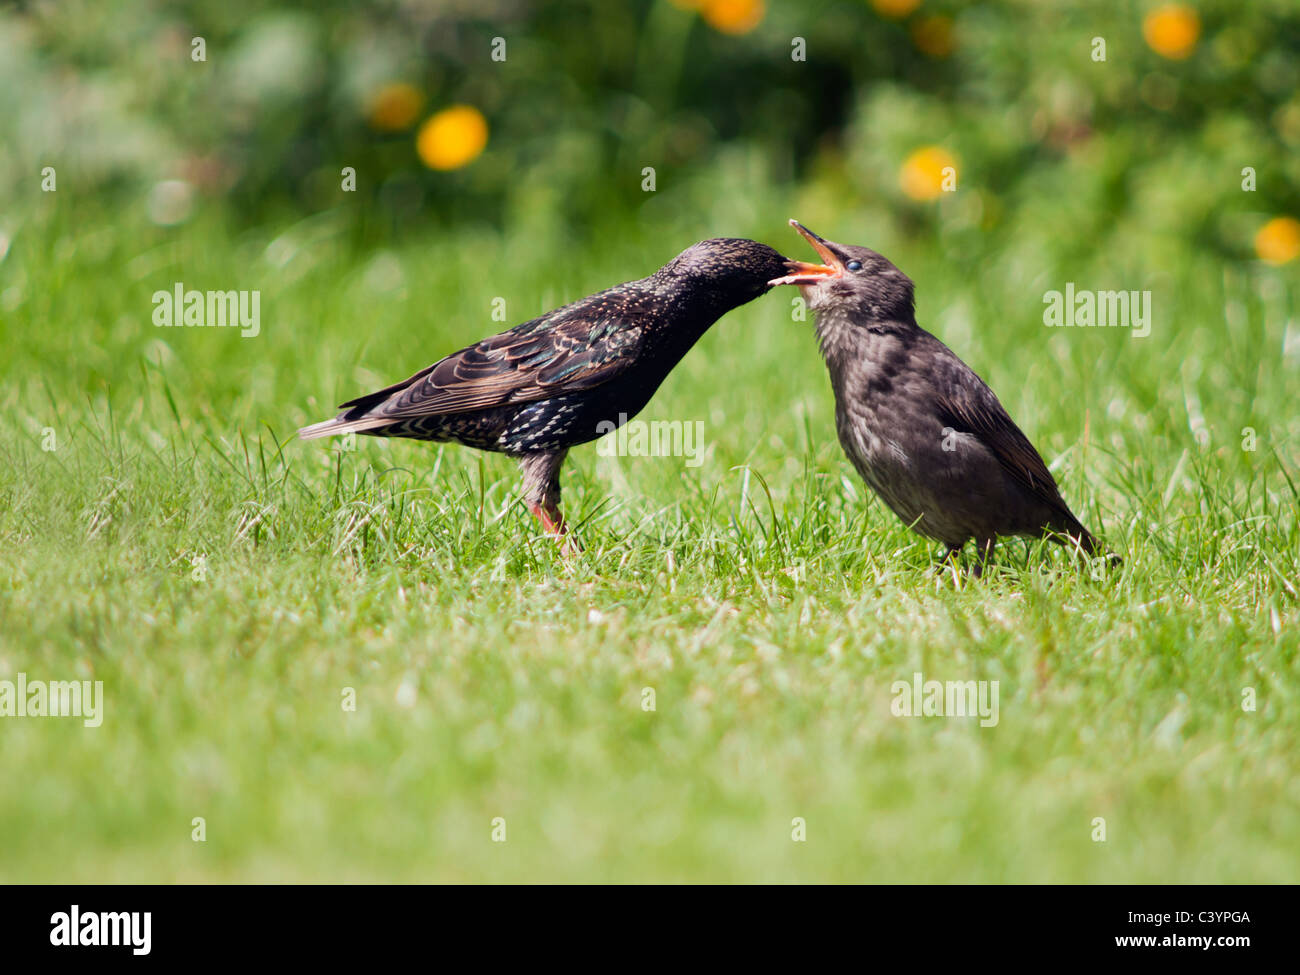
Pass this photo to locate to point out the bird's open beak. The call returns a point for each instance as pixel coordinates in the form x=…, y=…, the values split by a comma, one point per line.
x=803, y=273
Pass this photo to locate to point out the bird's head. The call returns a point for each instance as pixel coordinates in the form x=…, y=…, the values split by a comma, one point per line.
x=855, y=281
x=731, y=269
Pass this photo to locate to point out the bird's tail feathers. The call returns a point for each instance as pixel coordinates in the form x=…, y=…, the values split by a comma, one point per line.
x=338, y=425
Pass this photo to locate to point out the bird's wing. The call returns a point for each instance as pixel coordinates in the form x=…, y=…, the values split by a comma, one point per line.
x=573, y=348
x=968, y=405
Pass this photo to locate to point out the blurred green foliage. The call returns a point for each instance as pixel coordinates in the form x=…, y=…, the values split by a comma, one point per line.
x=589, y=94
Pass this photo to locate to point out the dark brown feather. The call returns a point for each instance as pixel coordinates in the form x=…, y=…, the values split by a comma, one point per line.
x=518, y=366
x=976, y=410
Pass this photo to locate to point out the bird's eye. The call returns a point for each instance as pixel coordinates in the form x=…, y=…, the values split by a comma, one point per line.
x=854, y=265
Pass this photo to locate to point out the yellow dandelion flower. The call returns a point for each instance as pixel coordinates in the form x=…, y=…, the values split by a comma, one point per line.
x=1172, y=31
x=452, y=138
x=925, y=173
x=732, y=16
x=933, y=36
x=895, y=9
x=1278, y=241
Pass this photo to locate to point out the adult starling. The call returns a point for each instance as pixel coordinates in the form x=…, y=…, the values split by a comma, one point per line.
x=925, y=432
x=569, y=376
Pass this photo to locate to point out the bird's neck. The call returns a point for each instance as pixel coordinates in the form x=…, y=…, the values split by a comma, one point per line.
x=692, y=313
x=848, y=343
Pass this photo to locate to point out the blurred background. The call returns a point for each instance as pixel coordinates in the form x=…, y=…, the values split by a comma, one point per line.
x=541, y=117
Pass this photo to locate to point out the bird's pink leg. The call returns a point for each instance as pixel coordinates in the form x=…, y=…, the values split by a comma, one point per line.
x=552, y=522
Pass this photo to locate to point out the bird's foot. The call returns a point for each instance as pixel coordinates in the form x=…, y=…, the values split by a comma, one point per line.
x=984, y=552
x=948, y=561
x=552, y=522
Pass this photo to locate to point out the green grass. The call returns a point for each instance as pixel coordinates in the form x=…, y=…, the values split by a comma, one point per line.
x=767, y=600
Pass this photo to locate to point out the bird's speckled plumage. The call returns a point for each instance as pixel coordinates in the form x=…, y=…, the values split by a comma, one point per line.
x=924, y=431
x=554, y=382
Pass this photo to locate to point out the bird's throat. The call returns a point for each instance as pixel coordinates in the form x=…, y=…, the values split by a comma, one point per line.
x=837, y=337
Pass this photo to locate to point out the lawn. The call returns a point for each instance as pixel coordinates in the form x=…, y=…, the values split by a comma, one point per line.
x=229, y=584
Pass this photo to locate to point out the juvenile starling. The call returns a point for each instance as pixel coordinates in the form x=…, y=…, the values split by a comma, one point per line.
x=925, y=432
x=569, y=376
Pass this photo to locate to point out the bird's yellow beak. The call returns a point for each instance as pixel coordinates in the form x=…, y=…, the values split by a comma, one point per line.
x=803, y=273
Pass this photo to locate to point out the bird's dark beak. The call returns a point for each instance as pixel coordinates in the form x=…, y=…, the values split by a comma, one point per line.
x=802, y=273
